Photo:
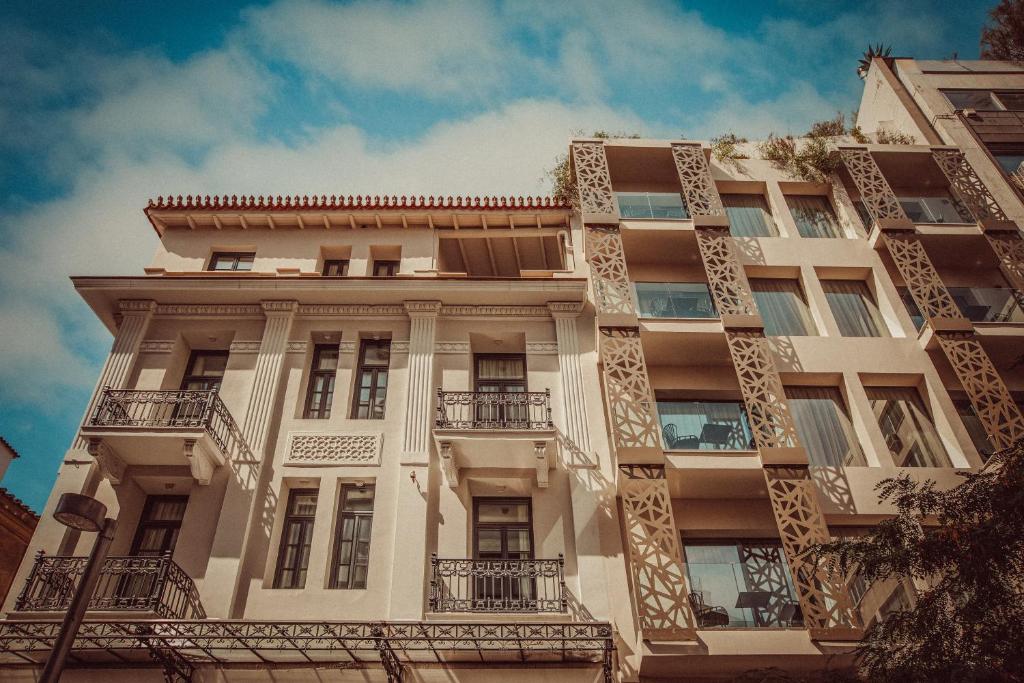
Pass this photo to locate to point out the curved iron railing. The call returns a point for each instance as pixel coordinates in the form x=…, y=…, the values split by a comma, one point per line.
x=183, y=409
x=494, y=410
x=127, y=582
x=497, y=585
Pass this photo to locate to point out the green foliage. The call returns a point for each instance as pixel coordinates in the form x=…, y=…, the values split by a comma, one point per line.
x=1003, y=37
x=725, y=148
x=873, y=51
x=828, y=128
x=886, y=137
x=563, y=183
x=967, y=545
x=857, y=134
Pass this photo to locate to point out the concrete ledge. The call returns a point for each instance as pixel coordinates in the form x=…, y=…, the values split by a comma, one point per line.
x=733, y=321
x=994, y=225
x=617, y=320
x=895, y=224
x=705, y=221
x=789, y=456
x=837, y=633
x=950, y=324
x=600, y=218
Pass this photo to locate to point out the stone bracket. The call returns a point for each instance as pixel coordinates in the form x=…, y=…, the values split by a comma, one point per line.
x=111, y=465
x=201, y=460
x=542, y=465
x=448, y=466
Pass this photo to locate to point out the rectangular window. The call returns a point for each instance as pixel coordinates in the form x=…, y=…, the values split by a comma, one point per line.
x=352, y=537
x=704, y=425
x=336, y=267
x=980, y=100
x=1009, y=159
x=674, y=300
x=974, y=427
x=907, y=427
x=912, y=310
x=854, y=308
x=296, y=539
x=205, y=371
x=385, y=268
x=749, y=215
x=813, y=215
x=321, y=382
x=231, y=260
x=502, y=529
x=157, y=532
x=372, y=379
x=782, y=307
x=824, y=427
x=934, y=209
x=652, y=205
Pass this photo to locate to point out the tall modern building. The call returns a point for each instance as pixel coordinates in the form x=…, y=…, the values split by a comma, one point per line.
x=477, y=439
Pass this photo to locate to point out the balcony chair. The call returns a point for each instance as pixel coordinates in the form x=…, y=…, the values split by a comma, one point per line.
x=708, y=616
x=675, y=442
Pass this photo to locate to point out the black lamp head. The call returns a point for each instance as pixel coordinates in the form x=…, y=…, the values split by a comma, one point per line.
x=80, y=512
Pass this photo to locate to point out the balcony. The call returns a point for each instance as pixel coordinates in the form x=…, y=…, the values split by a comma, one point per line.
x=978, y=304
x=494, y=429
x=128, y=587
x=513, y=586
x=652, y=205
x=674, y=300
x=191, y=428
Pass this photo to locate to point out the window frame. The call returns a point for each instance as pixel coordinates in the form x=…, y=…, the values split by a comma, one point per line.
x=322, y=411
x=362, y=367
x=872, y=307
x=145, y=523
x=356, y=516
x=391, y=265
x=189, y=376
x=342, y=264
x=306, y=537
x=236, y=257
x=492, y=500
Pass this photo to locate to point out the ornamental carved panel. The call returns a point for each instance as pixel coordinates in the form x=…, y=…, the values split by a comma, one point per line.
x=628, y=390
x=593, y=181
x=655, y=557
x=967, y=185
x=770, y=419
x=992, y=401
x=608, y=270
x=875, y=192
x=1009, y=249
x=726, y=277
x=699, y=191
x=928, y=291
x=325, y=449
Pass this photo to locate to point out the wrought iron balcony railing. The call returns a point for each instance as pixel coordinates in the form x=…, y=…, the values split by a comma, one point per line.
x=494, y=410
x=127, y=583
x=497, y=585
x=184, y=409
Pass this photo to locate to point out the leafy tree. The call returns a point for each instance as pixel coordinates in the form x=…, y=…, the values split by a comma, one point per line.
x=1003, y=37
x=966, y=545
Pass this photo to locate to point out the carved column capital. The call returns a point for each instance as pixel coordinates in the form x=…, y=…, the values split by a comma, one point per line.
x=129, y=306
x=565, y=309
x=422, y=309
x=279, y=307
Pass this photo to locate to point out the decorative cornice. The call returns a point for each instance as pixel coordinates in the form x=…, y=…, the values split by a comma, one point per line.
x=298, y=347
x=422, y=309
x=279, y=306
x=349, y=202
x=157, y=346
x=451, y=347
x=136, y=305
x=369, y=310
x=245, y=346
x=400, y=346
x=225, y=310
x=496, y=311
x=565, y=309
x=542, y=347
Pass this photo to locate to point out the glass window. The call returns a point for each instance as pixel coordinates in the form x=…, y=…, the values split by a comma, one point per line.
x=674, y=300
x=320, y=393
x=385, y=268
x=501, y=529
x=987, y=304
x=907, y=427
x=652, y=205
x=1009, y=160
x=740, y=585
x=824, y=427
x=352, y=537
x=935, y=210
x=974, y=427
x=223, y=260
x=704, y=425
x=336, y=267
x=813, y=215
x=157, y=532
x=1012, y=100
x=981, y=100
x=372, y=379
x=749, y=215
x=296, y=539
x=782, y=307
x=853, y=308
x=908, y=302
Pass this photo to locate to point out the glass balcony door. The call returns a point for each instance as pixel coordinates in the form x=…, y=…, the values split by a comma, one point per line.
x=205, y=372
x=502, y=534
x=155, y=535
x=704, y=425
x=501, y=374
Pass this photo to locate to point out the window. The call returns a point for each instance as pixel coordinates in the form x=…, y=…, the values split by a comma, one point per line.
x=157, y=532
x=912, y=310
x=652, y=205
x=385, y=268
x=321, y=382
x=935, y=209
x=296, y=539
x=908, y=429
x=782, y=307
x=205, y=371
x=987, y=304
x=352, y=537
x=813, y=215
x=336, y=267
x=674, y=300
x=975, y=429
x=749, y=215
x=502, y=529
x=740, y=584
x=853, y=308
x=824, y=427
x=1009, y=158
x=372, y=379
x=231, y=260
x=986, y=100
x=501, y=374
x=704, y=425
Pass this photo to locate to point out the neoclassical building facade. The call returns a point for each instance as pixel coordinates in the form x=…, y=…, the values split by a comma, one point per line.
x=419, y=439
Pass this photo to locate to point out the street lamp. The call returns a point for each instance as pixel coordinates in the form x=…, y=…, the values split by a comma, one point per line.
x=84, y=514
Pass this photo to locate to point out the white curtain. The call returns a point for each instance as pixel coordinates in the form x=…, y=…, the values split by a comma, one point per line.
x=749, y=215
x=782, y=306
x=853, y=308
x=824, y=427
x=907, y=427
x=813, y=215
x=500, y=368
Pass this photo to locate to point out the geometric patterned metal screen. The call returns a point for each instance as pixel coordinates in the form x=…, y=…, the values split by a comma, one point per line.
x=763, y=395
x=631, y=405
x=699, y=191
x=608, y=270
x=966, y=184
x=875, y=192
x=726, y=277
x=922, y=280
x=593, y=181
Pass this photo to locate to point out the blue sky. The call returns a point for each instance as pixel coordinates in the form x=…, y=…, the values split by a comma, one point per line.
x=105, y=104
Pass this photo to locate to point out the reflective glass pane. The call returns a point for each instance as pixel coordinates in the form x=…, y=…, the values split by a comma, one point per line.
x=674, y=300
x=503, y=512
x=981, y=100
x=704, y=425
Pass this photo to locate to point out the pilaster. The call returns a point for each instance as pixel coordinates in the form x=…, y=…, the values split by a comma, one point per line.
x=574, y=397
x=422, y=330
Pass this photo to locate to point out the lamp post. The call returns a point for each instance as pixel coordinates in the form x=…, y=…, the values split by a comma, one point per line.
x=84, y=514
